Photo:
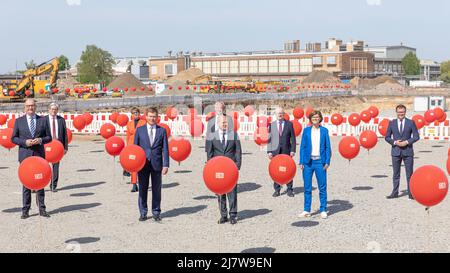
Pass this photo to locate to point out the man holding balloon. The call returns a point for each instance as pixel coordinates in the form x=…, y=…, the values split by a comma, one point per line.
x=152, y=138
x=401, y=133
x=225, y=142
x=30, y=133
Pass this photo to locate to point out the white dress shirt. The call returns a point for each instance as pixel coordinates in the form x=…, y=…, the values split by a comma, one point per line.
x=221, y=136
x=153, y=133
x=50, y=119
x=315, y=140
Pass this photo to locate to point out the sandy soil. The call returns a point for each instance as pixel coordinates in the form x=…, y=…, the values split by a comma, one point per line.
x=94, y=211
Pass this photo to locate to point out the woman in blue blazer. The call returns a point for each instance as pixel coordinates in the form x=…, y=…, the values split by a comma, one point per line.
x=315, y=155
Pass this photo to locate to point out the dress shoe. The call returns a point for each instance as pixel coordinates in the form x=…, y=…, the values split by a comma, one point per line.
x=54, y=190
x=43, y=213
x=25, y=215
x=290, y=193
x=233, y=220
x=276, y=194
x=143, y=218
x=135, y=188
x=392, y=196
x=127, y=174
x=222, y=220
x=157, y=218
x=411, y=197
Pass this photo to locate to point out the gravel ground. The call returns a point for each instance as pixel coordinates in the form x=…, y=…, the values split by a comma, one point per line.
x=94, y=211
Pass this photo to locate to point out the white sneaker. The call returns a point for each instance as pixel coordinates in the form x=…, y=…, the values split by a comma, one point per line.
x=323, y=215
x=304, y=214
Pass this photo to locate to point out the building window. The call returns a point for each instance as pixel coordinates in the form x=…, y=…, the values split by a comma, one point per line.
x=331, y=60
x=224, y=67
x=253, y=66
x=215, y=67
x=154, y=69
x=243, y=66
x=169, y=69
x=273, y=66
x=263, y=66
x=294, y=65
x=207, y=67
x=198, y=65
x=306, y=65
x=317, y=60
x=234, y=67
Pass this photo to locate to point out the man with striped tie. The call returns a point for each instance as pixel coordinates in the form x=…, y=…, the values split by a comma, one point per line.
x=30, y=133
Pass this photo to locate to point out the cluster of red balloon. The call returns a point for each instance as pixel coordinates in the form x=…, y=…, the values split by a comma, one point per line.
x=80, y=122
x=436, y=115
x=355, y=119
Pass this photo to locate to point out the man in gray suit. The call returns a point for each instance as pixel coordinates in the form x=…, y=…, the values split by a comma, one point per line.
x=401, y=133
x=213, y=124
x=225, y=142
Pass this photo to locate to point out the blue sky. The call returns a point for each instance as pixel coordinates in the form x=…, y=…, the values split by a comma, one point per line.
x=40, y=30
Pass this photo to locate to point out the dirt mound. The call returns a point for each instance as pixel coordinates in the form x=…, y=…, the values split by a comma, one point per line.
x=191, y=75
x=320, y=76
x=128, y=80
x=372, y=83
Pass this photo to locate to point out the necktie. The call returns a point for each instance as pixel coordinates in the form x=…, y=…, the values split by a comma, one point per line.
x=32, y=126
x=280, y=129
x=151, y=136
x=54, y=128
x=401, y=127
x=224, y=143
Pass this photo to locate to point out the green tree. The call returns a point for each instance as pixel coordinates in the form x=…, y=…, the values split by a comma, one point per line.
x=411, y=64
x=63, y=63
x=445, y=71
x=30, y=65
x=95, y=66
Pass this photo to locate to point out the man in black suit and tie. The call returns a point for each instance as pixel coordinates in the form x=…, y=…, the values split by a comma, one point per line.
x=401, y=133
x=213, y=123
x=281, y=141
x=57, y=125
x=30, y=133
x=153, y=139
x=225, y=142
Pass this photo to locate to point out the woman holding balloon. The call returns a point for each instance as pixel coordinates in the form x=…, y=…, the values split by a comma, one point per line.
x=315, y=156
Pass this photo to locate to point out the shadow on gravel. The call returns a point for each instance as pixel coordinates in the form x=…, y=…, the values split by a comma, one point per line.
x=182, y=211
x=259, y=250
x=83, y=240
x=250, y=186
x=247, y=214
x=82, y=185
x=79, y=207
x=305, y=224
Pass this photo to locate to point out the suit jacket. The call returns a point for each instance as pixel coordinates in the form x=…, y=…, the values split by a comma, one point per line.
x=131, y=130
x=62, y=130
x=410, y=133
x=232, y=148
x=306, y=146
x=158, y=154
x=21, y=133
x=284, y=144
x=211, y=129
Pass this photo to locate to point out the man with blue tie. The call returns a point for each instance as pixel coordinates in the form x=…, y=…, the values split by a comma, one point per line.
x=401, y=133
x=30, y=133
x=281, y=141
x=153, y=139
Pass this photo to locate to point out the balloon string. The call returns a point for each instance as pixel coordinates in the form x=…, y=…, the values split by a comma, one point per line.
x=427, y=209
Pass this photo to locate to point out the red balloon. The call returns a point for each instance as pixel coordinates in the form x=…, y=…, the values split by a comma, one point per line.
x=443, y=118
x=165, y=126
x=220, y=175
x=122, y=120
x=172, y=113
x=104, y=89
x=35, y=173
x=125, y=89
x=116, y=89
x=373, y=110
x=5, y=138
x=41, y=91
x=27, y=93
x=210, y=115
x=282, y=169
x=3, y=119
x=55, y=90
x=54, y=151
x=114, y=145
x=142, y=88
x=368, y=139
x=79, y=122
x=107, y=130
x=261, y=135
x=419, y=120
x=196, y=127
x=12, y=93
x=438, y=112
x=429, y=185
x=354, y=119
x=249, y=110
x=236, y=124
x=179, y=149
x=69, y=136
x=349, y=147
x=88, y=117
x=298, y=112
x=113, y=117
x=286, y=116
x=132, y=158
x=430, y=116
x=297, y=127
x=262, y=121
x=337, y=119
x=67, y=90
x=448, y=164
x=11, y=122
x=365, y=116
x=309, y=111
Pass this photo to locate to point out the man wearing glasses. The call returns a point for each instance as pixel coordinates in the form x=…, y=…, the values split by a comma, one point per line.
x=30, y=133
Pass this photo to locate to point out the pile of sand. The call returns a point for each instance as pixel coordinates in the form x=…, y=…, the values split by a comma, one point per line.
x=189, y=76
x=373, y=83
x=320, y=76
x=128, y=80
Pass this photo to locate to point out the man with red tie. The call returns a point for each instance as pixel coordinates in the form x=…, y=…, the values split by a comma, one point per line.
x=58, y=129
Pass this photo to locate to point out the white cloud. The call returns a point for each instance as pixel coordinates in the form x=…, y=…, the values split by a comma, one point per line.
x=374, y=2
x=73, y=2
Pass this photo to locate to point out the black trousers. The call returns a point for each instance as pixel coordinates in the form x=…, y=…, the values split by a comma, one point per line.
x=396, y=166
x=232, y=200
x=26, y=198
x=55, y=176
x=143, y=181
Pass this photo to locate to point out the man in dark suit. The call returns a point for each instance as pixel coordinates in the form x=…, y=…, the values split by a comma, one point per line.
x=213, y=124
x=225, y=142
x=153, y=139
x=402, y=133
x=30, y=133
x=281, y=141
x=57, y=125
